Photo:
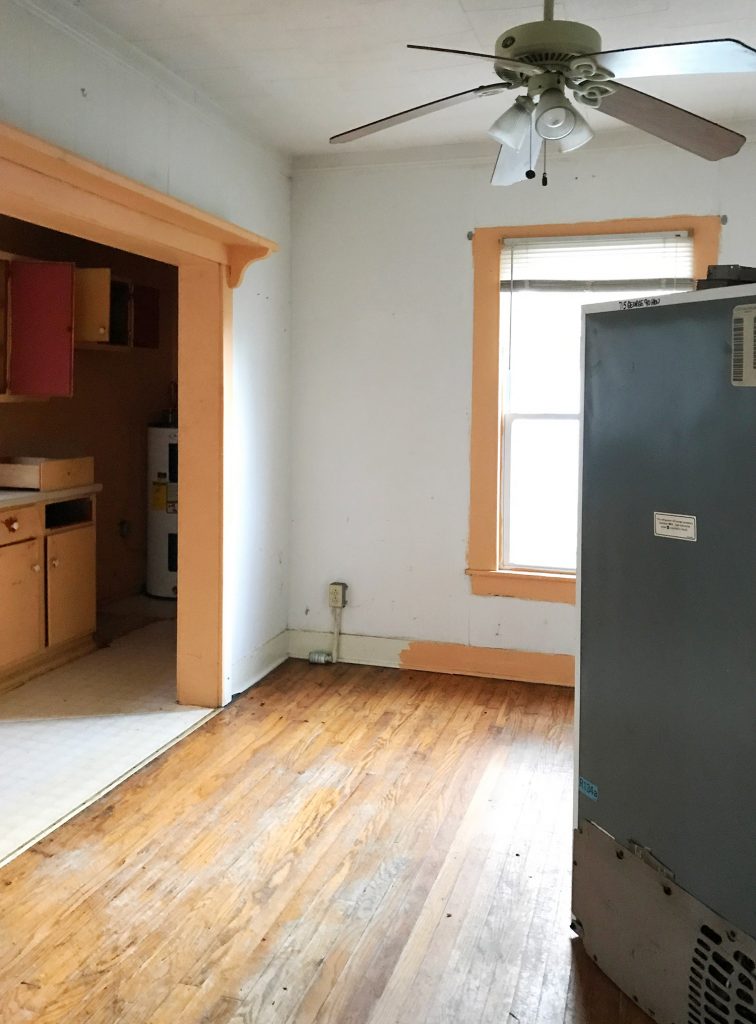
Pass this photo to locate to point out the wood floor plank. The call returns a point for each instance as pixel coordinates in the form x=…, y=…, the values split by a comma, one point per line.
x=121, y=837
x=341, y=845
x=435, y=988
x=385, y=810
x=428, y=832
x=215, y=876
x=262, y=904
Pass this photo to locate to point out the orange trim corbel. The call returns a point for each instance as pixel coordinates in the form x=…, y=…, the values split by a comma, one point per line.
x=239, y=257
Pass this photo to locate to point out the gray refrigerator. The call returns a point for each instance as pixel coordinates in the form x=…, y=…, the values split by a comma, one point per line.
x=664, y=875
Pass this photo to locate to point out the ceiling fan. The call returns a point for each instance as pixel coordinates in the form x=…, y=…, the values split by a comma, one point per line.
x=550, y=57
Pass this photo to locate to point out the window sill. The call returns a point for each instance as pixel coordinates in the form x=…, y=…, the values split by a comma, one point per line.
x=528, y=586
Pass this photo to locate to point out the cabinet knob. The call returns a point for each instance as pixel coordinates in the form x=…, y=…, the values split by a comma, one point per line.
x=11, y=523
x=54, y=562
x=101, y=330
x=36, y=568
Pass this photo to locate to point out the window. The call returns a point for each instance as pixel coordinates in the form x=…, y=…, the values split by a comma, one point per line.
x=526, y=383
x=544, y=284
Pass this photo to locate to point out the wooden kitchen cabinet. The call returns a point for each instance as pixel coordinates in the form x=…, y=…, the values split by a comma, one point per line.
x=22, y=601
x=71, y=571
x=112, y=312
x=20, y=524
x=48, y=307
x=92, y=306
x=102, y=308
x=47, y=582
x=41, y=329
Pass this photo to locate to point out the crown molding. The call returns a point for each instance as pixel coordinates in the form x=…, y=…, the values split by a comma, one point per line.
x=67, y=17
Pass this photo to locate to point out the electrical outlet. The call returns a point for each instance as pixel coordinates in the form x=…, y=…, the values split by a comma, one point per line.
x=337, y=595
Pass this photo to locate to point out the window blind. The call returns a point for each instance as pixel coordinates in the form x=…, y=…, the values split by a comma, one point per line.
x=649, y=258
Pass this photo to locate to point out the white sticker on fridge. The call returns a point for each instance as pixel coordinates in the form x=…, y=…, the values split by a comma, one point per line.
x=675, y=527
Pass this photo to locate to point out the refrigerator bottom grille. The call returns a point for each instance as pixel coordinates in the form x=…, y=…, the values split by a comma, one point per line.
x=722, y=982
x=677, y=959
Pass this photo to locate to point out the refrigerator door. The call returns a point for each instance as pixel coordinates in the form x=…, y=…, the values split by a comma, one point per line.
x=668, y=584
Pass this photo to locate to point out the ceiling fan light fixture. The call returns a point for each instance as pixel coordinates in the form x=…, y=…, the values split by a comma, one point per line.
x=555, y=116
x=511, y=129
x=580, y=134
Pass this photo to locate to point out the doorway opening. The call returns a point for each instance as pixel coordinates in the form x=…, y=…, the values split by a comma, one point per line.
x=89, y=476
x=43, y=185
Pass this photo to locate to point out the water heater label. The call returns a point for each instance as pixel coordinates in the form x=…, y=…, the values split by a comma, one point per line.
x=674, y=527
x=159, y=490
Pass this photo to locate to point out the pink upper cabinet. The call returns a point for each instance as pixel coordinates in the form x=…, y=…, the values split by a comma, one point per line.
x=41, y=329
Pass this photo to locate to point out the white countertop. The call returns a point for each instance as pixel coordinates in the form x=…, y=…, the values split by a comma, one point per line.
x=17, y=498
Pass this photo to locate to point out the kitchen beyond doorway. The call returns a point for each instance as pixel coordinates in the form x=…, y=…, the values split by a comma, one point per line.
x=71, y=735
x=46, y=185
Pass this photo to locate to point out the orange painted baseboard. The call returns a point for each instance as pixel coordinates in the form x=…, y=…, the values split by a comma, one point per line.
x=491, y=662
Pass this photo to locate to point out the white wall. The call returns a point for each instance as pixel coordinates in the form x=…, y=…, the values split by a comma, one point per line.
x=382, y=291
x=82, y=88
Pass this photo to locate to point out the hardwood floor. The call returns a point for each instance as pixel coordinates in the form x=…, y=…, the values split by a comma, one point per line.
x=341, y=845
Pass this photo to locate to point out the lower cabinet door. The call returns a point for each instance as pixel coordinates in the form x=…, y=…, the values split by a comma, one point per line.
x=70, y=584
x=22, y=597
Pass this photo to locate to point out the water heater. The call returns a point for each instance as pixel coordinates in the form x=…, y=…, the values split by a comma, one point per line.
x=162, y=511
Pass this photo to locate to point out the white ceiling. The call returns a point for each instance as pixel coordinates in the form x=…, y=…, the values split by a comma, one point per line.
x=300, y=70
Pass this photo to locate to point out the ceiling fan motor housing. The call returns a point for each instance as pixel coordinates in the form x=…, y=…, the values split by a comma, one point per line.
x=550, y=44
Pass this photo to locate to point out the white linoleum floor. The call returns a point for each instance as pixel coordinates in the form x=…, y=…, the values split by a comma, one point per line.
x=72, y=734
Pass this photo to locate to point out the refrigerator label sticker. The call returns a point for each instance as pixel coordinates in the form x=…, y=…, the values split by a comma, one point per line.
x=637, y=303
x=674, y=527
x=588, y=789
x=743, y=365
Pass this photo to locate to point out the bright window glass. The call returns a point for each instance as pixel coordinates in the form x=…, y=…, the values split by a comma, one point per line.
x=545, y=283
x=543, y=475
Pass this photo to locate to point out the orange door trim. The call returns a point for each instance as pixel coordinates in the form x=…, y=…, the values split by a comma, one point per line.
x=44, y=184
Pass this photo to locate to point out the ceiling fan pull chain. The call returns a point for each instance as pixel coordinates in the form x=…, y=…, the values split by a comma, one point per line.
x=544, y=177
x=530, y=173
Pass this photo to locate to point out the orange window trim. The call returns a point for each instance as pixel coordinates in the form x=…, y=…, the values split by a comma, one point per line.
x=484, y=546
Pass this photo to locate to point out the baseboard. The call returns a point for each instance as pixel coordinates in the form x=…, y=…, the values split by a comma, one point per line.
x=250, y=670
x=490, y=662
x=426, y=656
x=357, y=650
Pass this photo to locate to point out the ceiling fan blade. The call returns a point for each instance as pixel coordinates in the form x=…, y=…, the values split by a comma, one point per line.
x=671, y=123
x=511, y=164
x=704, y=57
x=518, y=66
x=413, y=112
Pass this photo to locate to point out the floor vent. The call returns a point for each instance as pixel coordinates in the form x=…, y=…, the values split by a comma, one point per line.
x=722, y=982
